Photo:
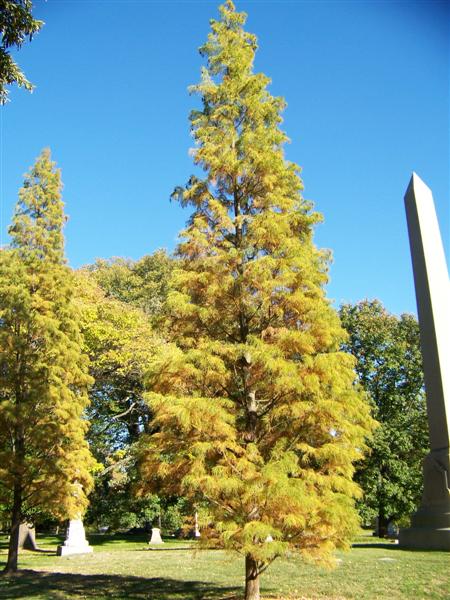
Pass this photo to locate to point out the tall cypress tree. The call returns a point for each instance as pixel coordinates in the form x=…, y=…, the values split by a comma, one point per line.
x=257, y=414
x=45, y=462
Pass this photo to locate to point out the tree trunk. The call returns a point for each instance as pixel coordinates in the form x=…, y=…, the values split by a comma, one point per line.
x=16, y=517
x=251, y=579
x=383, y=523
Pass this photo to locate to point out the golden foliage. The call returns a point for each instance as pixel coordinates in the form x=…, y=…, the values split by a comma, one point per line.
x=258, y=416
x=45, y=462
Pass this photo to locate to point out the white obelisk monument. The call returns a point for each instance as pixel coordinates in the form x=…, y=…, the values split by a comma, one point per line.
x=430, y=525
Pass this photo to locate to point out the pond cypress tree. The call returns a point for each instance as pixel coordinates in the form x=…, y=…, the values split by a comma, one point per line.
x=256, y=412
x=45, y=463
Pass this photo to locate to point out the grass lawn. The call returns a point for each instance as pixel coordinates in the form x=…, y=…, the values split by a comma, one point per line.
x=124, y=567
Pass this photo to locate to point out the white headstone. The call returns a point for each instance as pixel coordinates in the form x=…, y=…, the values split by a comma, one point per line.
x=76, y=542
x=156, y=536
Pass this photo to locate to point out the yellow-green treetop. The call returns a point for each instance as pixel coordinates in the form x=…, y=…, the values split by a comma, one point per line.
x=258, y=414
x=45, y=462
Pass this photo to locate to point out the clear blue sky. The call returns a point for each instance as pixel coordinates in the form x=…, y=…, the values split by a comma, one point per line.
x=367, y=87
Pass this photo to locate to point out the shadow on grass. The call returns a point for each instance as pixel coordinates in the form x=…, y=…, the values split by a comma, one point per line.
x=32, y=584
x=395, y=547
x=375, y=545
x=98, y=539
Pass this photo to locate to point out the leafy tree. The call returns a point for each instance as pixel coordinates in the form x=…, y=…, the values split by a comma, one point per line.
x=142, y=283
x=16, y=24
x=255, y=408
x=389, y=367
x=120, y=343
x=113, y=502
x=45, y=463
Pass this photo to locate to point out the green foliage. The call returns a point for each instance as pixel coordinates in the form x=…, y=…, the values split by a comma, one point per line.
x=255, y=408
x=142, y=283
x=121, y=345
x=389, y=367
x=45, y=463
x=16, y=24
x=114, y=505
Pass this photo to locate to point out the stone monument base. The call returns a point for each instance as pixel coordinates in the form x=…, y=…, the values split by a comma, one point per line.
x=66, y=550
x=423, y=538
x=430, y=525
x=76, y=542
x=430, y=529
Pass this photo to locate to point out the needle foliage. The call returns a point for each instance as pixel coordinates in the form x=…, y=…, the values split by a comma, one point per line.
x=258, y=417
x=45, y=463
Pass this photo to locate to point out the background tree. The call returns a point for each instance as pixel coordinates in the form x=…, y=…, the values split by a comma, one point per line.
x=45, y=463
x=255, y=406
x=120, y=342
x=389, y=367
x=142, y=283
x=16, y=24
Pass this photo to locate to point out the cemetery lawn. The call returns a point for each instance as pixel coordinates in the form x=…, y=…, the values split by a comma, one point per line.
x=123, y=567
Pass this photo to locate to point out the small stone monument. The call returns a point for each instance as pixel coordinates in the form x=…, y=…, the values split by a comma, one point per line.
x=27, y=537
x=76, y=542
x=156, y=536
x=430, y=525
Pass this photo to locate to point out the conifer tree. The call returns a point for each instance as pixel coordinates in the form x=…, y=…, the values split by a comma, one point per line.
x=45, y=463
x=259, y=419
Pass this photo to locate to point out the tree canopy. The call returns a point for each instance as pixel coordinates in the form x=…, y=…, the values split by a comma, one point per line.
x=142, y=283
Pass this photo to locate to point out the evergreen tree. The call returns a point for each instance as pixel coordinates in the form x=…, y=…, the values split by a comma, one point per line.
x=389, y=368
x=258, y=417
x=45, y=463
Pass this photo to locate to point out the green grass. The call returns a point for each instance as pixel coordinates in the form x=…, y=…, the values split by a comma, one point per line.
x=124, y=567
